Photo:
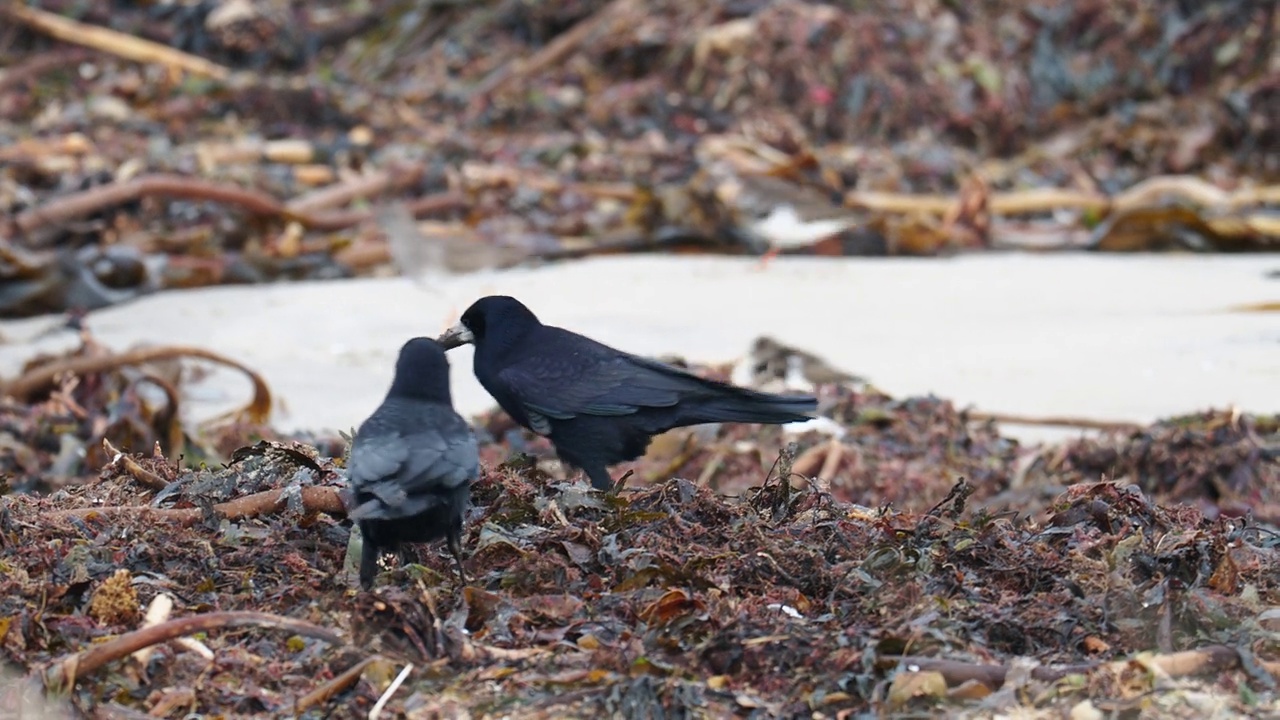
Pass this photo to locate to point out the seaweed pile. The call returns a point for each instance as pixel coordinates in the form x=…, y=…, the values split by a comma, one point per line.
x=932, y=564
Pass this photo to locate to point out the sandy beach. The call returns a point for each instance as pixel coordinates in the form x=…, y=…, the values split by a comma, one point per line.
x=1118, y=337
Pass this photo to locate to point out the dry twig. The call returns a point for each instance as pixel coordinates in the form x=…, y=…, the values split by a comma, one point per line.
x=40, y=64
x=1039, y=200
x=1055, y=421
x=376, y=712
x=111, y=41
x=365, y=186
x=82, y=203
x=131, y=466
x=325, y=692
x=557, y=50
x=1203, y=661
x=316, y=498
x=61, y=674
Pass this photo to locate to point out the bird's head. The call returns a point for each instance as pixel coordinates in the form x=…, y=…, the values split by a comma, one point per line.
x=422, y=371
x=491, y=317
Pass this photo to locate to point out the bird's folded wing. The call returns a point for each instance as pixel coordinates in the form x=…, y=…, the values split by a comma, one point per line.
x=375, y=459
x=608, y=386
x=414, y=462
x=441, y=460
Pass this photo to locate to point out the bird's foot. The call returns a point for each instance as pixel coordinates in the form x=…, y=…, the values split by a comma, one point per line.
x=462, y=573
x=454, y=543
x=769, y=255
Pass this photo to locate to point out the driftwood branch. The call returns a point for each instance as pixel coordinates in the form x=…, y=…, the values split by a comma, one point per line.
x=61, y=674
x=325, y=692
x=1208, y=660
x=38, y=65
x=557, y=50
x=365, y=186
x=111, y=41
x=320, y=498
x=131, y=466
x=303, y=210
x=1189, y=188
x=1055, y=421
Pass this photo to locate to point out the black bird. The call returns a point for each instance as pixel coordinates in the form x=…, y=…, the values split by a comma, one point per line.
x=597, y=405
x=412, y=462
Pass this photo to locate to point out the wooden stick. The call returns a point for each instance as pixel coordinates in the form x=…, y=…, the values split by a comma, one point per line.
x=62, y=673
x=365, y=186
x=326, y=691
x=76, y=205
x=111, y=41
x=131, y=466
x=38, y=65
x=315, y=498
x=1208, y=660
x=376, y=712
x=810, y=462
x=1035, y=200
x=555, y=51
x=1055, y=421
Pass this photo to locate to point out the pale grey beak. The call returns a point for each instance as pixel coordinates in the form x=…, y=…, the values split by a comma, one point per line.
x=457, y=335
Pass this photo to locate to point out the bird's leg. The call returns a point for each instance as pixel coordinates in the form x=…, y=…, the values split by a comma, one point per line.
x=769, y=254
x=764, y=259
x=454, y=541
x=600, y=479
x=368, y=562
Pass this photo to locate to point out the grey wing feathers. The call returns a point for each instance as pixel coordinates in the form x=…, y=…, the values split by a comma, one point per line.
x=405, y=460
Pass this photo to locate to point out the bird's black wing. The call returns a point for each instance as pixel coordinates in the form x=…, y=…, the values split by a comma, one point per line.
x=568, y=375
x=406, y=455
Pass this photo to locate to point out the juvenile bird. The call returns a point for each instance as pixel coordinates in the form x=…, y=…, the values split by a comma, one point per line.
x=598, y=405
x=412, y=462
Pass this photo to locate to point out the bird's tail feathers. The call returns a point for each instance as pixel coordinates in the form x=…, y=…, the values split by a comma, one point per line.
x=756, y=407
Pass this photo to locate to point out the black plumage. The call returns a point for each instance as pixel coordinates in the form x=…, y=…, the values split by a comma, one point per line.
x=598, y=405
x=412, y=462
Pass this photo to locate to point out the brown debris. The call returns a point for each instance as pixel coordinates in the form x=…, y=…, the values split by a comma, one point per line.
x=673, y=595
x=544, y=132
x=666, y=596
x=115, y=602
x=312, y=499
x=110, y=41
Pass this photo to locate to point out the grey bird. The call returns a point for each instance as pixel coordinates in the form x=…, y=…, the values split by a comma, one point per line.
x=412, y=462
x=598, y=405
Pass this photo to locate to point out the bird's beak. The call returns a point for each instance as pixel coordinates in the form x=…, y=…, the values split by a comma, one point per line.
x=457, y=335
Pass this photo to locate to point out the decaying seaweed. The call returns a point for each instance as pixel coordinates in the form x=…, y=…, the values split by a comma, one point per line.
x=931, y=565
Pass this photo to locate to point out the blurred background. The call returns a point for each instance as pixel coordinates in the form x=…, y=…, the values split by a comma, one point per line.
x=1041, y=210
